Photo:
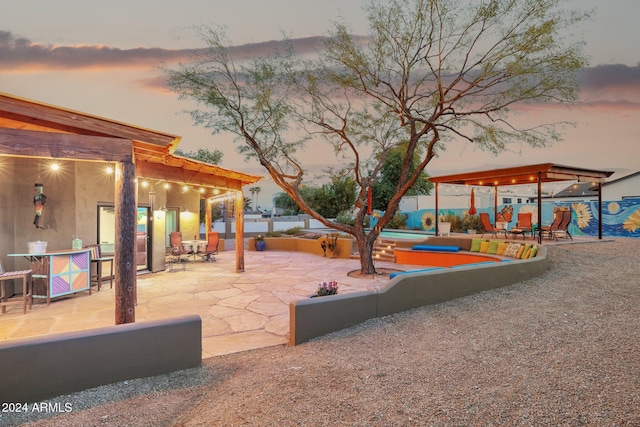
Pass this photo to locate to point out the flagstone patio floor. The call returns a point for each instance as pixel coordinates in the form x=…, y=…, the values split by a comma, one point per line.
x=239, y=311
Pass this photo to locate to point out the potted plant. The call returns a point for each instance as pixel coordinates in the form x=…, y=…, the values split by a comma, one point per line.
x=259, y=241
x=472, y=223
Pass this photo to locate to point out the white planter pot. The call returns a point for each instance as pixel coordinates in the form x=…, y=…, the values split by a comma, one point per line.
x=444, y=228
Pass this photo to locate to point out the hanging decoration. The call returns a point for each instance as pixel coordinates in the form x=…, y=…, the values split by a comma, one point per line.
x=472, y=206
x=39, y=200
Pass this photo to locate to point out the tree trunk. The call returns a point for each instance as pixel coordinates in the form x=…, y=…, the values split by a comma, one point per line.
x=366, y=257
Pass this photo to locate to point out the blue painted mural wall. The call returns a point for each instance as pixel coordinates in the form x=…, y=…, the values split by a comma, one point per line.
x=619, y=218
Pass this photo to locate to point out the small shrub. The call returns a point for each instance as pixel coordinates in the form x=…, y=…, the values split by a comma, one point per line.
x=399, y=221
x=327, y=288
x=292, y=231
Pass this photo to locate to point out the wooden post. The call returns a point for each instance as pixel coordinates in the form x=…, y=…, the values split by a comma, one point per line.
x=124, y=260
x=207, y=221
x=239, y=231
x=599, y=210
x=539, y=228
x=437, y=216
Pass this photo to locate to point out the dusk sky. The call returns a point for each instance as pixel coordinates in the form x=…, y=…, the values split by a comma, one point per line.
x=102, y=58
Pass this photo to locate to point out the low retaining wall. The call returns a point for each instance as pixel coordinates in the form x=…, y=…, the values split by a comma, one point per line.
x=314, y=317
x=299, y=244
x=36, y=369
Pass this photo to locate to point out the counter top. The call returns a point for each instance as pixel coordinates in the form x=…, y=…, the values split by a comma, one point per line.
x=57, y=252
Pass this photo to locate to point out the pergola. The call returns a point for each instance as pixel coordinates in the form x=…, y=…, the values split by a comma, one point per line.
x=529, y=174
x=33, y=129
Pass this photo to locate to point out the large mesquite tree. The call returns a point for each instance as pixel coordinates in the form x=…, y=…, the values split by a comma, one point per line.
x=429, y=71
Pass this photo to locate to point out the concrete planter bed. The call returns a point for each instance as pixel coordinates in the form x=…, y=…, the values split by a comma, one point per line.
x=315, y=317
x=301, y=244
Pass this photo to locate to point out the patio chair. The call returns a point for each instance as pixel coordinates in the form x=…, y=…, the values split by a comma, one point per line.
x=563, y=227
x=490, y=228
x=524, y=225
x=548, y=231
x=213, y=238
x=6, y=276
x=177, y=249
x=96, y=258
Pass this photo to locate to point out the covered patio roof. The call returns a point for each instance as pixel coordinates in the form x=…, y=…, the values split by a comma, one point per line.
x=523, y=175
x=38, y=130
x=34, y=129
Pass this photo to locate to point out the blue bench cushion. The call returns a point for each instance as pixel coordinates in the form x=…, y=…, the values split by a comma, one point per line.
x=424, y=270
x=436, y=248
x=473, y=264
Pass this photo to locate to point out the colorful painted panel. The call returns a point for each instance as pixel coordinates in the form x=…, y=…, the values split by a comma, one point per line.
x=69, y=273
x=79, y=281
x=60, y=285
x=60, y=264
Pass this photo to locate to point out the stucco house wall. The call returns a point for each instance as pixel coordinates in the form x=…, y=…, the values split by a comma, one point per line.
x=74, y=193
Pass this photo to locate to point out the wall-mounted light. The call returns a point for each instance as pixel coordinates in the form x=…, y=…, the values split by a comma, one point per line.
x=152, y=200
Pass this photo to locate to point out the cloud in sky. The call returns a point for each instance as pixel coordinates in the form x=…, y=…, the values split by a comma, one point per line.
x=616, y=83
x=20, y=55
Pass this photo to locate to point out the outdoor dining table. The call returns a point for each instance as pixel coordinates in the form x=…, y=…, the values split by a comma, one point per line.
x=194, y=247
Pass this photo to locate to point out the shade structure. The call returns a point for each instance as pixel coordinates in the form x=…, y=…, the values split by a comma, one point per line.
x=528, y=174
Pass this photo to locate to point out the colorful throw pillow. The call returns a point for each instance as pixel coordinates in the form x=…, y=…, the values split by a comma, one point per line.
x=475, y=245
x=520, y=251
x=483, y=247
x=512, y=250
x=501, y=248
x=493, y=247
x=525, y=250
x=526, y=254
x=534, y=252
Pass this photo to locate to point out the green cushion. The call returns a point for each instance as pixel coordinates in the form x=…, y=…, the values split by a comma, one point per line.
x=493, y=247
x=475, y=245
x=526, y=249
x=534, y=251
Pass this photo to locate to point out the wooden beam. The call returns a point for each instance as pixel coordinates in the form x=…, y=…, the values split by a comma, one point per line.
x=48, y=116
x=177, y=174
x=27, y=143
x=125, y=255
x=239, y=232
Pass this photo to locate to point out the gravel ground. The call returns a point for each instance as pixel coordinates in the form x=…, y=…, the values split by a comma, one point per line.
x=562, y=349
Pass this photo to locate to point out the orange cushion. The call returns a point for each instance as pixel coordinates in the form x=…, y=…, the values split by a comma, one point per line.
x=484, y=246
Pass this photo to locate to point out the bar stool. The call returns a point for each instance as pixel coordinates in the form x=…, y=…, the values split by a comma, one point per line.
x=5, y=276
x=98, y=260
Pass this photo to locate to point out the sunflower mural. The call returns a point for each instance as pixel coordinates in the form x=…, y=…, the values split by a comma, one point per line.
x=632, y=223
x=583, y=214
x=428, y=221
x=613, y=207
